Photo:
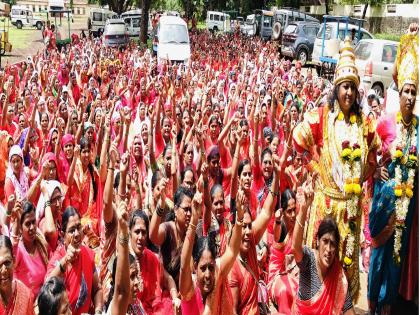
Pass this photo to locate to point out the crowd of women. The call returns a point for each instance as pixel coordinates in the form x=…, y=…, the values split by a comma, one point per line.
x=237, y=184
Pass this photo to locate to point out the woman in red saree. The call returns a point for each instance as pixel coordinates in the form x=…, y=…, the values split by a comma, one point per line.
x=15, y=297
x=283, y=274
x=85, y=189
x=75, y=264
x=323, y=287
x=244, y=276
x=209, y=293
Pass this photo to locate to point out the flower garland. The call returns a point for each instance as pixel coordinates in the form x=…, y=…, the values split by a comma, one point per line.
x=351, y=156
x=403, y=191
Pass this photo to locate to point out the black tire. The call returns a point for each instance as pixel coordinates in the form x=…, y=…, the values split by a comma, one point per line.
x=38, y=25
x=215, y=29
x=19, y=24
x=379, y=89
x=302, y=56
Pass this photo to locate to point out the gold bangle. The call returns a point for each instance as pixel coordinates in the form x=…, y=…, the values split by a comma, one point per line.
x=239, y=222
x=193, y=225
x=123, y=239
x=300, y=224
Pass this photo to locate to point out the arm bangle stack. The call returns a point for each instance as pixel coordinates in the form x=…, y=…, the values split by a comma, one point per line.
x=300, y=224
x=123, y=239
x=47, y=204
x=193, y=225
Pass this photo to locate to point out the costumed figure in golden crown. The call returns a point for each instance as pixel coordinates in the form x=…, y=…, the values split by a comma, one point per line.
x=342, y=146
x=393, y=219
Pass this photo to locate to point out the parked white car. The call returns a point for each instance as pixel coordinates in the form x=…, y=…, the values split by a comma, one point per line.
x=171, y=40
x=115, y=33
x=97, y=19
x=332, y=42
x=21, y=16
x=132, y=19
x=375, y=63
x=218, y=21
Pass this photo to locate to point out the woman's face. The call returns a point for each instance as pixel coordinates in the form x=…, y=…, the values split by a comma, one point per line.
x=73, y=234
x=267, y=165
x=245, y=179
x=290, y=214
x=54, y=137
x=98, y=117
x=6, y=268
x=17, y=164
x=44, y=122
x=189, y=155
x=137, y=148
x=376, y=107
x=63, y=111
x=21, y=108
x=167, y=161
x=33, y=136
x=52, y=171
x=69, y=150
x=74, y=119
x=407, y=99
x=89, y=135
x=218, y=205
x=183, y=211
x=166, y=128
x=22, y=122
x=29, y=227
x=346, y=96
x=294, y=113
x=327, y=249
x=134, y=281
x=56, y=202
x=188, y=181
x=144, y=133
x=138, y=236
x=274, y=144
x=64, y=308
x=246, y=233
x=205, y=271
x=85, y=156
x=186, y=119
x=214, y=129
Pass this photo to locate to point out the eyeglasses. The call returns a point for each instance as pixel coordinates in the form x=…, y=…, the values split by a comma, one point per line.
x=187, y=209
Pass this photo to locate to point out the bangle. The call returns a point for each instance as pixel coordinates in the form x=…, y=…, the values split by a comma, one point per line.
x=275, y=194
x=123, y=239
x=111, y=168
x=98, y=311
x=193, y=225
x=47, y=204
x=300, y=224
x=159, y=211
x=14, y=236
x=239, y=222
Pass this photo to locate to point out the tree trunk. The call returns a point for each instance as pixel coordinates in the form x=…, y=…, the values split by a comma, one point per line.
x=327, y=12
x=364, y=10
x=144, y=22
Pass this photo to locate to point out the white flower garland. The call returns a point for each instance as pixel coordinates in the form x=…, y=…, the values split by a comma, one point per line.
x=352, y=168
x=403, y=191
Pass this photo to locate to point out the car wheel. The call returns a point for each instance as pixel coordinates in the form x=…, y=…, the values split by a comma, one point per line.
x=215, y=29
x=38, y=25
x=19, y=24
x=379, y=90
x=302, y=56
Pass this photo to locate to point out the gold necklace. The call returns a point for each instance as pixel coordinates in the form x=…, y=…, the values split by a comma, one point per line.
x=404, y=123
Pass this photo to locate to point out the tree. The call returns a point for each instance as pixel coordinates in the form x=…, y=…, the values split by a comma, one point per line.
x=118, y=6
x=144, y=21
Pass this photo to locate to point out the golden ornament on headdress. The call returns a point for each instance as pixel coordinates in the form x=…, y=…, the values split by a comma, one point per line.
x=346, y=67
x=407, y=60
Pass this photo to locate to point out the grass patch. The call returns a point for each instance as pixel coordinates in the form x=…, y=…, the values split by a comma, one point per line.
x=388, y=36
x=23, y=38
x=201, y=25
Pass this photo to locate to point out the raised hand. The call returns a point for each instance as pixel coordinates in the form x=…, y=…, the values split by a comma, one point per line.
x=124, y=163
x=240, y=205
x=122, y=215
x=197, y=202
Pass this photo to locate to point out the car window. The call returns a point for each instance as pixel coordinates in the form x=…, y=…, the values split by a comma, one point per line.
x=327, y=32
x=290, y=29
x=97, y=16
x=173, y=33
x=222, y=18
x=136, y=22
x=363, y=50
x=366, y=35
x=216, y=17
x=267, y=21
x=389, y=52
x=211, y=17
x=310, y=31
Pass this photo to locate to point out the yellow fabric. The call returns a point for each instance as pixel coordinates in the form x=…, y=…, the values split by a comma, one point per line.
x=407, y=60
x=346, y=68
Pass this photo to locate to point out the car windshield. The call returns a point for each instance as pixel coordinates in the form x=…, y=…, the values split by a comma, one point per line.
x=250, y=20
x=363, y=50
x=327, y=33
x=173, y=33
x=290, y=29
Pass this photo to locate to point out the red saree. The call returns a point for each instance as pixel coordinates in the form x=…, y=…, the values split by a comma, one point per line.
x=244, y=276
x=329, y=300
x=283, y=275
x=78, y=278
x=21, y=302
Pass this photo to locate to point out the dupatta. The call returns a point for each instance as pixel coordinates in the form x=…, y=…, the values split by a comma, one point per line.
x=21, y=302
x=329, y=300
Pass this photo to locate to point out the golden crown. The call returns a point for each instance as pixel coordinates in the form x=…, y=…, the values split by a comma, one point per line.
x=346, y=68
x=407, y=61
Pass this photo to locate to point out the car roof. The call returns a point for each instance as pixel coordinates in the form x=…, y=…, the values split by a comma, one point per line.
x=304, y=22
x=217, y=12
x=168, y=19
x=115, y=21
x=382, y=41
x=20, y=7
